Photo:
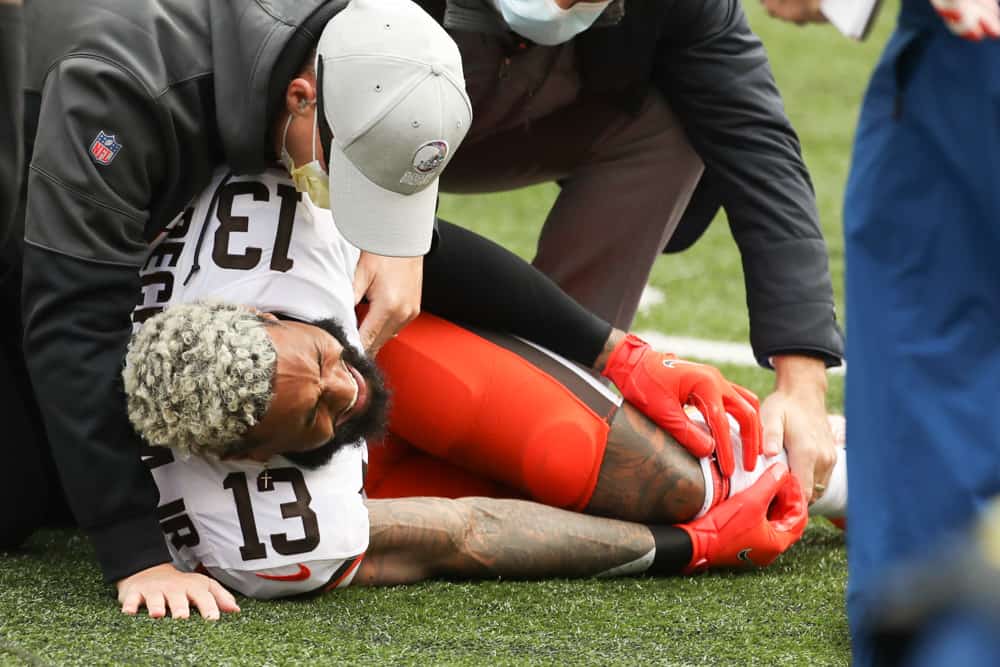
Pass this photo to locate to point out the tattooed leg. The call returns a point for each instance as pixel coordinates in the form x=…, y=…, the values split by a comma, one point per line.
x=413, y=539
x=645, y=474
x=527, y=420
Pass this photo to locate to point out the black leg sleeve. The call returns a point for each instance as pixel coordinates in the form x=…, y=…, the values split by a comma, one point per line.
x=470, y=279
x=673, y=550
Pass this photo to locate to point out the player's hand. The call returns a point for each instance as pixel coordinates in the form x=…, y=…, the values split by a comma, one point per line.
x=796, y=11
x=794, y=417
x=752, y=528
x=392, y=286
x=659, y=385
x=970, y=19
x=164, y=587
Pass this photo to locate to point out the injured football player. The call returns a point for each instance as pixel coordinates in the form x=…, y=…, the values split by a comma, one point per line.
x=496, y=450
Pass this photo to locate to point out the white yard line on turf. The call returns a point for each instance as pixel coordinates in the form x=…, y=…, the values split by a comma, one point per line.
x=712, y=351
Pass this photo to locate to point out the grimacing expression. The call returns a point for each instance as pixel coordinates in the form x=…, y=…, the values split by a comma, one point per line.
x=326, y=395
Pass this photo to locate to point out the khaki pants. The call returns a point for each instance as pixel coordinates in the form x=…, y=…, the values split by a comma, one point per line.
x=626, y=178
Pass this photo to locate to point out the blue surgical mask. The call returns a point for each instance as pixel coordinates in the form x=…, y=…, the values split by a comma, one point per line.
x=544, y=22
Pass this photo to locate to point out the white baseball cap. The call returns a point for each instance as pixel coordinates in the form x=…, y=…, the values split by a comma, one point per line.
x=392, y=95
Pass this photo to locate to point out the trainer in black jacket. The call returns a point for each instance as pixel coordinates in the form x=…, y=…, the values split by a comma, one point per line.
x=587, y=114
x=130, y=108
x=131, y=105
x=26, y=493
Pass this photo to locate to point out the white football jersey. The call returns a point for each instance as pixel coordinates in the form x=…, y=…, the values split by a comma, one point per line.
x=266, y=531
x=253, y=240
x=274, y=530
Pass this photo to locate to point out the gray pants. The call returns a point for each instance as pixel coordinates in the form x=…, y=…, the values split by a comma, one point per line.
x=626, y=178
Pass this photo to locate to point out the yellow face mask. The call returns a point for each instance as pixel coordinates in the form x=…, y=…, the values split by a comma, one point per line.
x=310, y=178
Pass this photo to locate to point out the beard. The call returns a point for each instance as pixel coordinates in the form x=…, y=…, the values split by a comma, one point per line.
x=368, y=424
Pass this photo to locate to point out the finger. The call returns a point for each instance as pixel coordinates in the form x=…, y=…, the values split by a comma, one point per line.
x=694, y=437
x=204, y=602
x=178, y=603
x=789, y=512
x=155, y=605
x=383, y=337
x=373, y=326
x=802, y=461
x=826, y=457
x=761, y=493
x=747, y=395
x=394, y=320
x=223, y=598
x=131, y=602
x=772, y=422
x=825, y=461
x=749, y=421
x=362, y=281
x=706, y=397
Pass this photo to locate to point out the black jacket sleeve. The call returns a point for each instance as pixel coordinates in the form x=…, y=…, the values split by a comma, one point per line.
x=11, y=101
x=470, y=279
x=83, y=245
x=714, y=71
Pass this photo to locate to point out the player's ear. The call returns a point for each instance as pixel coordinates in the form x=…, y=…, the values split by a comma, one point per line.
x=300, y=95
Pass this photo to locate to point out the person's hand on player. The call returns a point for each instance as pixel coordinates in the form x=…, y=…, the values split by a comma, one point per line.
x=796, y=11
x=163, y=587
x=752, y=528
x=794, y=417
x=659, y=385
x=392, y=286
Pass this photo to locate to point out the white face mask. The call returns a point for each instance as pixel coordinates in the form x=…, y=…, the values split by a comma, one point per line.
x=544, y=22
x=310, y=178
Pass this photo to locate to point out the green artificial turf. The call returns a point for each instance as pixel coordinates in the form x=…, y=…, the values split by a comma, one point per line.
x=54, y=609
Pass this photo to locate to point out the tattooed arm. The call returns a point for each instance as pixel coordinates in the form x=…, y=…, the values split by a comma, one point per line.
x=413, y=539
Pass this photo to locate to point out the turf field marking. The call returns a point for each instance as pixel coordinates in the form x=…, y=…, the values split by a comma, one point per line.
x=712, y=351
x=650, y=298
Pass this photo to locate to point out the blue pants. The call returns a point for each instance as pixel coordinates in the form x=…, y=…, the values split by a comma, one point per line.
x=958, y=639
x=922, y=232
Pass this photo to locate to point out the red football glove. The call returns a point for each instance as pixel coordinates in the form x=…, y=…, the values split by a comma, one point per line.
x=970, y=19
x=660, y=385
x=752, y=528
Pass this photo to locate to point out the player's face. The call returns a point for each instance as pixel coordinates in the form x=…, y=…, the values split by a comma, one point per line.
x=326, y=395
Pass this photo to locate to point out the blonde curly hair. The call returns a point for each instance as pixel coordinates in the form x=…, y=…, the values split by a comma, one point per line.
x=199, y=376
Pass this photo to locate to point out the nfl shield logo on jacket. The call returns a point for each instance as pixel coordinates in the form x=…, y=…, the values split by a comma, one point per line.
x=105, y=148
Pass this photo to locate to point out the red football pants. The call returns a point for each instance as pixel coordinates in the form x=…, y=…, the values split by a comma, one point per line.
x=472, y=417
